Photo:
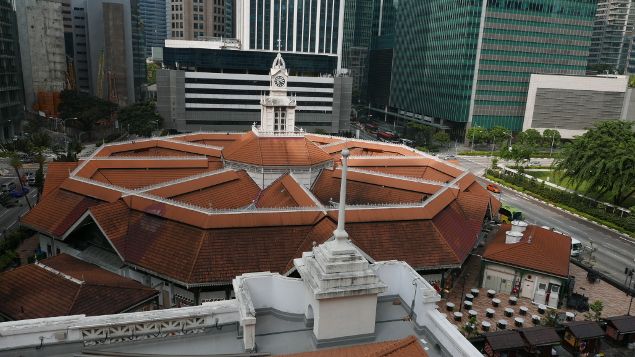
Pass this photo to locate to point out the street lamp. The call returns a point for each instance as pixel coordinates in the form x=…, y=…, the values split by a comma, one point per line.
x=629, y=272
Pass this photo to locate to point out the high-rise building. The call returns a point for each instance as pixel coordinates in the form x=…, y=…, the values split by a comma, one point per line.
x=196, y=19
x=613, y=33
x=311, y=26
x=358, y=20
x=11, y=99
x=379, y=72
x=78, y=51
x=42, y=51
x=139, y=49
x=469, y=63
x=153, y=16
x=230, y=21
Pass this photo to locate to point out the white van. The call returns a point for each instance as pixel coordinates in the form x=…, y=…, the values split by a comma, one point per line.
x=576, y=247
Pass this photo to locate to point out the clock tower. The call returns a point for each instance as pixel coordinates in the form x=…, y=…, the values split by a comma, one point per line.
x=277, y=112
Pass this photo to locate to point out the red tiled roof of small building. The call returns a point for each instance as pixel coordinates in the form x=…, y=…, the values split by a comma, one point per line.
x=540, y=249
x=32, y=291
x=407, y=347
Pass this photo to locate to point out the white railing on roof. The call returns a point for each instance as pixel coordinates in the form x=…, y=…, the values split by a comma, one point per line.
x=398, y=177
x=102, y=184
x=295, y=133
x=182, y=179
x=335, y=143
x=205, y=146
x=386, y=157
x=308, y=192
x=150, y=158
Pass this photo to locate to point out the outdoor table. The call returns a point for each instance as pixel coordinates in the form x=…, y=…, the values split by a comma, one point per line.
x=513, y=300
x=509, y=312
x=472, y=313
x=502, y=324
x=467, y=304
x=523, y=310
x=485, y=325
x=570, y=316
x=458, y=316
x=541, y=309
x=489, y=313
x=474, y=292
x=469, y=297
x=535, y=319
x=496, y=302
x=519, y=321
x=491, y=293
x=449, y=306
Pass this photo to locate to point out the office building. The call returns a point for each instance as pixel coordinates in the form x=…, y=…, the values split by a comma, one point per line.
x=311, y=26
x=214, y=86
x=380, y=56
x=358, y=20
x=469, y=63
x=42, y=52
x=196, y=19
x=573, y=104
x=613, y=32
x=11, y=94
x=140, y=72
x=230, y=21
x=153, y=16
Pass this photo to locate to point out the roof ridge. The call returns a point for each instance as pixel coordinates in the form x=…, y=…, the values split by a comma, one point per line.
x=202, y=239
x=445, y=242
x=396, y=345
x=142, y=287
x=72, y=305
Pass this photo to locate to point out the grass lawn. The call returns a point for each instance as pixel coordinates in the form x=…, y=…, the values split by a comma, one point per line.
x=559, y=180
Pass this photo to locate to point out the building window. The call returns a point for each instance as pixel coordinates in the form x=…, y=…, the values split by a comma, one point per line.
x=49, y=250
x=280, y=115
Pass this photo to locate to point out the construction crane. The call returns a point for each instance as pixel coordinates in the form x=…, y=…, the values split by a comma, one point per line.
x=113, y=96
x=71, y=82
x=100, y=76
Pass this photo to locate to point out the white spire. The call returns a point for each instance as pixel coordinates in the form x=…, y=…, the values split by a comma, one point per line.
x=340, y=233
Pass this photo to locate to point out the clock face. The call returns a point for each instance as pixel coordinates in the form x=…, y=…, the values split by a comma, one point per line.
x=279, y=81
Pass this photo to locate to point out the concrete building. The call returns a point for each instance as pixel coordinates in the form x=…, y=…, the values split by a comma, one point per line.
x=11, y=93
x=573, y=104
x=613, y=32
x=196, y=19
x=469, y=63
x=153, y=14
x=42, y=51
x=209, y=86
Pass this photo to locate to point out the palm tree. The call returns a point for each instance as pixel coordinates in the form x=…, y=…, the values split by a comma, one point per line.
x=17, y=165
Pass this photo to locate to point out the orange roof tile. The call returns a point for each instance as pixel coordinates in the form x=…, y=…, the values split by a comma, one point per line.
x=56, y=173
x=275, y=151
x=407, y=347
x=58, y=212
x=327, y=189
x=137, y=178
x=285, y=192
x=56, y=295
x=540, y=249
x=237, y=193
x=460, y=233
x=422, y=172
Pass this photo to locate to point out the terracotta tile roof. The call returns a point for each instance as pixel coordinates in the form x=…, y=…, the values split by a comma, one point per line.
x=100, y=292
x=474, y=205
x=214, y=139
x=407, y=347
x=153, y=151
x=327, y=189
x=372, y=148
x=418, y=243
x=461, y=234
x=113, y=218
x=136, y=178
x=56, y=173
x=285, y=192
x=191, y=255
x=540, y=250
x=275, y=151
x=169, y=144
x=424, y=172
x=58, y=212
x=236, y=193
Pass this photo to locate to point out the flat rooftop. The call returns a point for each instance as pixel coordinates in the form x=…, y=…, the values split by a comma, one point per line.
x=274, y=334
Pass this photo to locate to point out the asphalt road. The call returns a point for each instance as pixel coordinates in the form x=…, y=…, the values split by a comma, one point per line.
x=614, y=252
x=9, y=216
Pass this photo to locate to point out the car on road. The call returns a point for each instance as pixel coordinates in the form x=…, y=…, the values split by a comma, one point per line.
x=576, y=247
x=408, y=142
x=534, y=163
x=17, y=193
x=493, y=188
x=8, y=186
x=450, y=157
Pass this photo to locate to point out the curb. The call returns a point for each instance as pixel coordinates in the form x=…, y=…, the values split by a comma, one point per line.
x=524, y=195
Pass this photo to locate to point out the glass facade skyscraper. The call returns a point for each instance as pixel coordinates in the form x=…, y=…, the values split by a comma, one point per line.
x=153, y=16
x=612, y=34
x=11, y=99
x=469, y=61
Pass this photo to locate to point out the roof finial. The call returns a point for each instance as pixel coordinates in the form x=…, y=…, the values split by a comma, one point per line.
x=340, y=233
x=279, y=42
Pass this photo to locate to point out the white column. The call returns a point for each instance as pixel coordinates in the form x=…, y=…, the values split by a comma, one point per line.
x=295, y=24
x=340, y=233
x=340, y=36
x=317, y=26
x=271, y=24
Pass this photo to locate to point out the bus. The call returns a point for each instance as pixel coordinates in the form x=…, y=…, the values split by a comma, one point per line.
x=508, y=214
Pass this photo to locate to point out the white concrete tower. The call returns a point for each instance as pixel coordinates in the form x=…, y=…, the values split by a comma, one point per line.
x=340, y=287
x=277, y=113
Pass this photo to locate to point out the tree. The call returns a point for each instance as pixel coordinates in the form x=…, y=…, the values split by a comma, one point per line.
x=87, y=109
x=499, y=134
x=603, y=159
x=420, y=133
x=530, y=137
x=140, y=118
x=476, y=135
x=441, y=137
x=39, y=174
x=551, y=318
x=551, y=138
x=470, y=328
x=518, y=153
x=595, y=311
x=17, y=165
x=152, y=73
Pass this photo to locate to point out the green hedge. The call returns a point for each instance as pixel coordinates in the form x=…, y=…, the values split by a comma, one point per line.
x=536, y=155
x=572, y=202
x=9, y=244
